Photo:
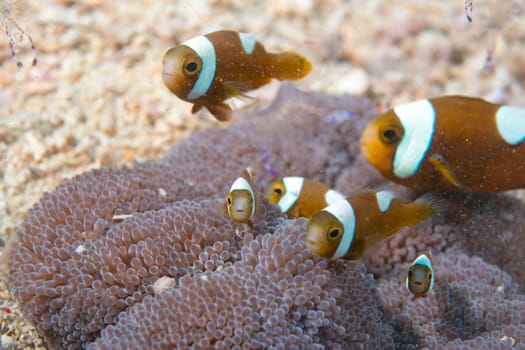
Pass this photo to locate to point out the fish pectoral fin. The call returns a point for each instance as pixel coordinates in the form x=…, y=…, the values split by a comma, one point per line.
x=294, y=212
x=223, y=209
x=444, y=169
x=238, y=88
x=222, y=111
x=195, y=108
x=358, y=248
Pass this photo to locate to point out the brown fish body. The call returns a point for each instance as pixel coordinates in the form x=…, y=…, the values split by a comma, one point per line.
x=214, y=67
x=300, y=197
x=348, y=229
x=473, y=145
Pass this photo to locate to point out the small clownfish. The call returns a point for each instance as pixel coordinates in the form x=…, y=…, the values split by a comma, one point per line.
x=420, y=277
x=451, y=143
x=297, y=196
x=241, y=198
x=211, y=68
x=350, y=227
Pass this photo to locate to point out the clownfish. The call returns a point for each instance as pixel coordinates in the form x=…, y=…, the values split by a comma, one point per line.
x=420, y=277
x=451, y=143
x=241, y=203
x=211, y=68
x=350, y=227
x=297, y=196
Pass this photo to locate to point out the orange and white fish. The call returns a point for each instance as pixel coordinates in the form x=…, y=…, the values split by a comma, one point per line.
x=451, y=143
x=420, y=277
x=297, y=196
x=350, y=227
x=211, y=68
x=242, y=204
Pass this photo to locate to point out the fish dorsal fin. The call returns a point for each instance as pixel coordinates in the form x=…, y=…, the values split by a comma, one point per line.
x=251, y=174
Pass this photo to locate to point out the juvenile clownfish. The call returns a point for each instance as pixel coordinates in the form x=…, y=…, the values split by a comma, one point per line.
x=350, y=227
x=451, y=143
x=297, y=196
x=241, y=203
x=211, y=68
x=420, y=277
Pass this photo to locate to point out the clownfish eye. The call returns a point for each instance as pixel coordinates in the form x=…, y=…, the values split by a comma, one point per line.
x=390, y=135
x=429, y=276
x=229, y=200
x=333, y=234
x=409, y=273
x=191, y=67
x=278, y=190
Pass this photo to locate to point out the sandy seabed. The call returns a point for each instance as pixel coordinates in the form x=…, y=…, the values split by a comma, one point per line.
x=96, y=98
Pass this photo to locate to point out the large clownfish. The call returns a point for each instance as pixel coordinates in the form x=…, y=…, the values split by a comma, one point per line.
x=297, y=196
x=420, y=276
x=241, y=203
x=451, y=143
x=211, y=68
x=350, y=227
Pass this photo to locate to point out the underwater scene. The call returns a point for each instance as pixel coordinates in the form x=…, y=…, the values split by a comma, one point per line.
x=295, y=174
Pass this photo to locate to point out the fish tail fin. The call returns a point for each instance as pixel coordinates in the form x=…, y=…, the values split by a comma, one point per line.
x=290, y=66
x=420, y=210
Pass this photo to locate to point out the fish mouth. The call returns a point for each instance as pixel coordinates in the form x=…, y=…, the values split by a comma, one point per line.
x=240, y=215
x=167, y=76
x=418, y=283
x=170, y=81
